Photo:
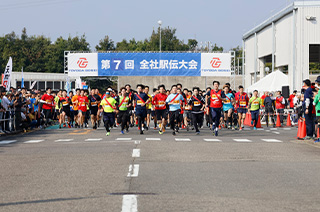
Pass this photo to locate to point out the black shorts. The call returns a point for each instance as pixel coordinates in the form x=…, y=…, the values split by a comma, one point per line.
x=67, y=112
x=94, y=111
x=153, y=113
x=148, y=111
x=162, y=114
x=75, y=112
x=268, y=110
x=57, y=112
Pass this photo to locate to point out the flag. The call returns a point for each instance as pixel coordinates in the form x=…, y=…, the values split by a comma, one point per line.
x=22, y=79
x=7, y=75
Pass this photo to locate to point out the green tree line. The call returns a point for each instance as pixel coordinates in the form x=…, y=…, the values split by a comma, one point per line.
x=41, y=54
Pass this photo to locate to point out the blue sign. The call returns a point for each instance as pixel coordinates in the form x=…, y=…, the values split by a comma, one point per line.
x=149, y=64
x=84, y=87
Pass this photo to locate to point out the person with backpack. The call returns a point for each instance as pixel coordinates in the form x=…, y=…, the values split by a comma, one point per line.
x=269, y=106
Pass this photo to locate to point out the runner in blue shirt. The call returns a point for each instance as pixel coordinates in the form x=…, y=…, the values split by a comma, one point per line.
x=174, y=101
x=228, y=106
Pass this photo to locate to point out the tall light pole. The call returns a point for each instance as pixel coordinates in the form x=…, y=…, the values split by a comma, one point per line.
x=160, y=23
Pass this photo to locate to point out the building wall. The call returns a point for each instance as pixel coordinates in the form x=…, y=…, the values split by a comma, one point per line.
x=308, y=32
x=291, y=45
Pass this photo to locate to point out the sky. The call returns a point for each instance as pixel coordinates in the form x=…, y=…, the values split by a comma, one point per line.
x=221, y=22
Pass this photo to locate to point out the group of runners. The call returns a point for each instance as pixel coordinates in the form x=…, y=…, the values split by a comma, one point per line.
x=176, y=108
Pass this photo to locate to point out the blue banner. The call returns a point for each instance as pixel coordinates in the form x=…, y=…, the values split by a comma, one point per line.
x=149, y=64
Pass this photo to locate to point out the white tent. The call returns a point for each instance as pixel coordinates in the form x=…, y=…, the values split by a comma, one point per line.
x=272, y=82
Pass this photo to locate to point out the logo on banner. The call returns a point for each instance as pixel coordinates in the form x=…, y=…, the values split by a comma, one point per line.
x=82, y=62
x=215, y=62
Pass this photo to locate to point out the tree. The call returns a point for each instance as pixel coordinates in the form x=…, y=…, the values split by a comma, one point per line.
x=105, y=44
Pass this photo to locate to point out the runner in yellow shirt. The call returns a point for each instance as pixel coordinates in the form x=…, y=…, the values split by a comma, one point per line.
x=108, y=105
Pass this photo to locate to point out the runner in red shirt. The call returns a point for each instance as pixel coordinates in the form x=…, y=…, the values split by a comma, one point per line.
x=159, y=101
x=83, y=102
x=290, y=100
x=214, y=98
x=48, y=104
x=242, y=100
x=266, y=93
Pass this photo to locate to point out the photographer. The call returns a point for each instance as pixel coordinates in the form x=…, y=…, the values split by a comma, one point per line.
x=19, y=102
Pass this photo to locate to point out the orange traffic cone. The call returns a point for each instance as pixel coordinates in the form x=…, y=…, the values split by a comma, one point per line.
x=299, y=128
x=302, y=128
x=245, y=122
x=278, y=121
x=289, y=120
x=248, y=120
x=259, y=122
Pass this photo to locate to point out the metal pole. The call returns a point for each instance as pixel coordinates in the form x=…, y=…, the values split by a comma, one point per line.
x=273, y=47
x=238, y=65
x=294, y=51
x=255, y=57
x=160, y=37
x=243, y=61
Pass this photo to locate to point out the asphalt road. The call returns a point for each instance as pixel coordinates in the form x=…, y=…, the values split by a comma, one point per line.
x=84, y=170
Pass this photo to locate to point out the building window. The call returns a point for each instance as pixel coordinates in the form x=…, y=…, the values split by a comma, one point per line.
x=314, y=58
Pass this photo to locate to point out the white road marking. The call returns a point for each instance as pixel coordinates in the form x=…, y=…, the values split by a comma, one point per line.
x=153, y=139
x=129, y=203
x=261, y=129
x=286, y=128
x=134, y=172
x=212, y=140
x=64, y=140
x=33, y=141
x=123, y=139
x=273, y=128
x=246, y=129
x=137, y=142
x=8, y=141
x=136, y=153
x=267, y=130
x=93, y=139
x=182, y=139
x=276, y=133
x=272, y=140
x=242, y=140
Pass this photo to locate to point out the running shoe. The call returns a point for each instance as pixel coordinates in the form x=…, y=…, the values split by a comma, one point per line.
x=108, y=133
x=122, y=132
x=216, y=132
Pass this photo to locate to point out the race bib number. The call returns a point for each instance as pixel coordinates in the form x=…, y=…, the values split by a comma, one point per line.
x=161, y=104
x=139, y=102
x=243, y=103
x=196, y=103
x=176, y=102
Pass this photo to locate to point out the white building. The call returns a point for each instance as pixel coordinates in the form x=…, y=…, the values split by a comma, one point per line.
x=55, y=81
x=289, y=40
